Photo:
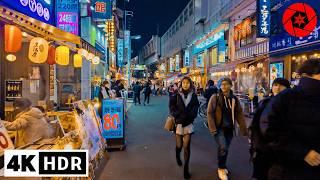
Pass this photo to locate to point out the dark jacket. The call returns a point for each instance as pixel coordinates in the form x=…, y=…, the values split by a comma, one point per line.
x=294, y=129
x=214, y=113
x=209, y=92
x=184, y=115
x=147, y=90
x=137, y=89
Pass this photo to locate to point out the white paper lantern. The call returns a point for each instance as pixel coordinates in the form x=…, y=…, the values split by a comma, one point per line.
x=96, y=60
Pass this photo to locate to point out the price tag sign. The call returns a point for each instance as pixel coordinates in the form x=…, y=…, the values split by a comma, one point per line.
x=113, y=115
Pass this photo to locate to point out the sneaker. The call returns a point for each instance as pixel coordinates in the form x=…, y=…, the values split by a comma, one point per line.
x=223, y=174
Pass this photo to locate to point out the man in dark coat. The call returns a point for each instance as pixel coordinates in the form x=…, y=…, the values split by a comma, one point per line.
x=147, y=93
x=136, y=93
x=210, y=90
x=294, y=128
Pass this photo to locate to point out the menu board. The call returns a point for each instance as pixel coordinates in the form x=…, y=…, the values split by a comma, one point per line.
x=88, y=128
x=13, y=89
x=113, y=115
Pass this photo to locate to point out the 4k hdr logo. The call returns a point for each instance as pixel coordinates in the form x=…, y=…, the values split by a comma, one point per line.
x=299, y=19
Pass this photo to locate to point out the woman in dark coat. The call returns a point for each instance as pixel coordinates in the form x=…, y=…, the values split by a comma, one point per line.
x=184, y=108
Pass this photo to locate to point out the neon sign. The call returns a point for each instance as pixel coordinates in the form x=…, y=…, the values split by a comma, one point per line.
x=264, y=16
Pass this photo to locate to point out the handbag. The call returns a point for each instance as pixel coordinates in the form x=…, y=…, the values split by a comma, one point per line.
x=169, y=125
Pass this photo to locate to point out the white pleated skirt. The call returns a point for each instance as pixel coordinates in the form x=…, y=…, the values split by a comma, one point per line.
x=184, y=130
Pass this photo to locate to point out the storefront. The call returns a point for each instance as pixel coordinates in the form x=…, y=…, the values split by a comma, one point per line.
x=292, y=44
x=209, y=51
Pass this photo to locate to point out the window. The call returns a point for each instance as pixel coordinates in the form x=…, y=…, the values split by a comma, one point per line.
x=181, y=20
x=185, y=13
x=191, y=8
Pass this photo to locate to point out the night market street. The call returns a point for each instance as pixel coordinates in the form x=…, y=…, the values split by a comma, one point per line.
x=150, y=150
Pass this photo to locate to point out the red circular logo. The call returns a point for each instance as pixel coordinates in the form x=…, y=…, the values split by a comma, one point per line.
x=299, y=19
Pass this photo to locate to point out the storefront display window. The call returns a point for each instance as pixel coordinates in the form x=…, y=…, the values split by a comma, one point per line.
x=213, y=56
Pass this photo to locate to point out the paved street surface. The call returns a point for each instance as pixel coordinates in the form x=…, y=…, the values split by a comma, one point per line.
x=150, y=153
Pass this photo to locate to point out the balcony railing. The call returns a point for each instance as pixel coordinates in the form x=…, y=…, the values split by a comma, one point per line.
x=252, y=50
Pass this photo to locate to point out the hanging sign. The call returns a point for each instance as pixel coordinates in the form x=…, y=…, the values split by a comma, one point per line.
x=112, y=121
x=39, y=9
x=171, y=61
x=38, y=50
x=186, y=58
x=102, y=9
x=68, y=15
x=177, y=62
x=264, y=18
x=120, y=52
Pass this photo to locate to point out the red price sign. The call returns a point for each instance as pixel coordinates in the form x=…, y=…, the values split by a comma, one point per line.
x=110, y=122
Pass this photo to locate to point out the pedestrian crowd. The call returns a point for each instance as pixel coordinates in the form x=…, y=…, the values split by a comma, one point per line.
x=284, y=134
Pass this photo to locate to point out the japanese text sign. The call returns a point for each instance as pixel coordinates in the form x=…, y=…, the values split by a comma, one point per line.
x=68, y=15
x=264, y=17
x=102, y=9
x=113, y=118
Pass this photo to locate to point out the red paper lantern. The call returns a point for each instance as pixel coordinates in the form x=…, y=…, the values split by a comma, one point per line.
x=12, y=38
x=51, y=56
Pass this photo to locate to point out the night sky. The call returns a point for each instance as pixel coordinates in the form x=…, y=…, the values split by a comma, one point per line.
x=150, y=14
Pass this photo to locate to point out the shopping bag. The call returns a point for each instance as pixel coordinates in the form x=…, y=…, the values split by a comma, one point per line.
x=169, y=125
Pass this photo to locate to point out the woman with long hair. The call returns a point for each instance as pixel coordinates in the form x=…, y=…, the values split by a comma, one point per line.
x=184, y=108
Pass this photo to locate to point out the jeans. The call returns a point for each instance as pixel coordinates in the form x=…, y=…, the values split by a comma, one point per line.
x=136, y=98
x=223, y=139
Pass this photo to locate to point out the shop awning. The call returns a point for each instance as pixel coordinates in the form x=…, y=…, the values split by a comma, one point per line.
x=41, y=28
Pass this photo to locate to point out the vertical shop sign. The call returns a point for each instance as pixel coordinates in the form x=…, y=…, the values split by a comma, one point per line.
x=171, y=64
x=127, y=46
x=68, y=15
x=186, y=58
x=177, y=62
x=200, y=60
x=120, y=52
x=102, y=9
x=113, y=115
x=264, y=17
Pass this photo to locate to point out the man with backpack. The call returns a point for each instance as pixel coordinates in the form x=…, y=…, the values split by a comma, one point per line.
x=224, y=110
x=262, y=160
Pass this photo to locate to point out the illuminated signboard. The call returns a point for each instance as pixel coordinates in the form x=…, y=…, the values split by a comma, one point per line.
x=186, y=58
x=68, y=15
x=293, y=26
x=171, y=61
x=264, y=17
x=208, y=42
x=113, y=116
x=102, y=9
x=177, y=62
x=41, y=10
x=120, y=52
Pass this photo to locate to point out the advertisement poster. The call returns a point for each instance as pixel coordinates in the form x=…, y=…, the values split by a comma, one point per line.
x=88, y=128
x=113, y=119
x=276, y=71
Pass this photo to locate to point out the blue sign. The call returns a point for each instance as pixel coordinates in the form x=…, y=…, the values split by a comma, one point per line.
x=209, y=41
x=280, y=39
x=276, y=71
x=120, y=52
x=113, y=118
x=41, y=10
x=186, y=58
x=264, y=17
x=68, y=15
x=102, y=9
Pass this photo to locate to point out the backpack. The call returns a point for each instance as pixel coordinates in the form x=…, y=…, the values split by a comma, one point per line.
x=256, y=135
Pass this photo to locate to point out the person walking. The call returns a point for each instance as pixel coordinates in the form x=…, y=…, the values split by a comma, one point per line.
x=293, y=133
x=210, y=90
x=261, y=157
x=184, y=107
x=147, y=93
x=224, y=110
x=137, y=91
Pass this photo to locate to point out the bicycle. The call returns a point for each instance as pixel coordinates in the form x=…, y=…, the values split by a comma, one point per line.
x=203, y=113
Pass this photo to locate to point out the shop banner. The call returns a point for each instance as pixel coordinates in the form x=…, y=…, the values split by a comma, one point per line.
x=264, y=18
x=186, y=62
x=276, y=71
x=120, y=52
x=209, y=41
x=113, y=118
x=127, y=46
x=295, y=24
x=102, y=9
x=171, y=62
x=42, y=10
x=200, y=63
x=68, y=15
